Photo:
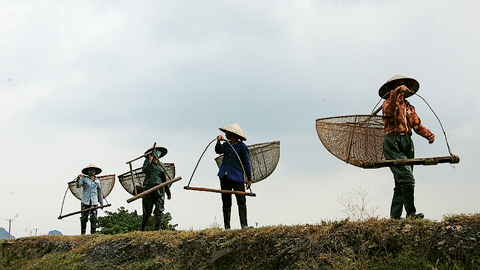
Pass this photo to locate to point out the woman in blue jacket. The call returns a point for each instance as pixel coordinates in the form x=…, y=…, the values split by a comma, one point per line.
x=91, y=196
x=234, y=171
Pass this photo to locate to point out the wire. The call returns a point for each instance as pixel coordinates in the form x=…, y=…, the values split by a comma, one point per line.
x=241, y=163
x=199, y=161
x=441, y=126
x=440, y=122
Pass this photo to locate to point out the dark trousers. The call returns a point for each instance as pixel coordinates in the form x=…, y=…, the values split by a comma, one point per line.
x=157, y=199
x=226, y=184
x=84, y=218
x=403, y=197
x=401, y=147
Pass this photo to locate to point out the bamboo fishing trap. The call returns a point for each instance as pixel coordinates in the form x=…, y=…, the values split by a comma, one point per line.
x=132, y=181
x=106, y=183
x=358, y=140
x=264, y=158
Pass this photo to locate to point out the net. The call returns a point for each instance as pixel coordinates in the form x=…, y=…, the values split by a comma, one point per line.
x=355, y=139
x=263, y=159
x=106, y=182
x=139, y=176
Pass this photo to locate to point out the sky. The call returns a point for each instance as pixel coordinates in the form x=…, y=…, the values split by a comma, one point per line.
x=100, y=81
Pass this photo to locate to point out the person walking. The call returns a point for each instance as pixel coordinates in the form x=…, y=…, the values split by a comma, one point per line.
x=91, y=196
x=399, y=118
x=234, y=171
x=154, y=176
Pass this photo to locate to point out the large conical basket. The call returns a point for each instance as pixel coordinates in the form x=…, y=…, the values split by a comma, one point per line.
x=106, y=182
x=354, y=139
x=139, y=176
x=263, y=159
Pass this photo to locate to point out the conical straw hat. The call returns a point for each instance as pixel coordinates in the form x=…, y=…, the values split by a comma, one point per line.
x=235, y=129
x=411, y=83
x=162, y=149
x=91, y=166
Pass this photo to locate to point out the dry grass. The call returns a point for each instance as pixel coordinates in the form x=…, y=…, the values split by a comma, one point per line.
x=371, y=244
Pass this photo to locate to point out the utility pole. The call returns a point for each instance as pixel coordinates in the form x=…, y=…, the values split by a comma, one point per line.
x=36, y=229
x=9, y=226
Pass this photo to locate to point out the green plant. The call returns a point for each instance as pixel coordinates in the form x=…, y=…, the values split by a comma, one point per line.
x=124, y=222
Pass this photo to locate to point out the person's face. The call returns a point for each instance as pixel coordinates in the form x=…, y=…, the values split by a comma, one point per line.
x=230, y=136
x=91, y=172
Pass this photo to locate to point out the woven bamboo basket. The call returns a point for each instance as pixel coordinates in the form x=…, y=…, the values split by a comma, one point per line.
x=139, y=176
x=355, y=139
x=263, y=159
x=106, y=182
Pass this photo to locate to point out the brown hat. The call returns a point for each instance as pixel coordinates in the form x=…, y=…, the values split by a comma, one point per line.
x=162, y=149
x=91, y=166
x=235, y=129
x=411, y=83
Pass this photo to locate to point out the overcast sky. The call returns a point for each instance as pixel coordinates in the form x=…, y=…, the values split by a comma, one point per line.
x=100, y=81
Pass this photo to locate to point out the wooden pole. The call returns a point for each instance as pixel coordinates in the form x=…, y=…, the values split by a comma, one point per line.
x=371, y=116
x=221, y=191
x=138, y=158
x=153, y=189
x=164, y=169
x=84, y=210
x=413, y=161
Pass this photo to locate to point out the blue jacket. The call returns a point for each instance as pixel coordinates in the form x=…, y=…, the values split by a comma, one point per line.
x=231, y=165
x=92, y=191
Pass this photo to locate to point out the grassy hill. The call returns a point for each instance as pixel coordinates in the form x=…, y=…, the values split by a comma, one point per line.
x=453, y=243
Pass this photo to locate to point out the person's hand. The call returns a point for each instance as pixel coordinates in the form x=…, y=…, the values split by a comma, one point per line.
x=169, y=196
x=403, y=88
x=101, y=206
x=249, y=183
x=150, y=157
x=220, y=138
x=80, y=176
x=431, y=138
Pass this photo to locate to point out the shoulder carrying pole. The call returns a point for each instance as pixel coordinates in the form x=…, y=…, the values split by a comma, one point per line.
x=414, y=161
x=84, y=210
x=153, y=189
x=221, y=191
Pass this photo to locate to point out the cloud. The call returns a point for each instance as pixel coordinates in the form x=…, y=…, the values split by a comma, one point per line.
x=19, y=98
x=97, y=82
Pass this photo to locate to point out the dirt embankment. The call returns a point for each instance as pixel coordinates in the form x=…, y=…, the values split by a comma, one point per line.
x=375, y=243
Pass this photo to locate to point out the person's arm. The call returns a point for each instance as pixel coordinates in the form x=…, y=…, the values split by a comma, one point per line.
x=79, y=182
x=147, y=166
x=167, y=188
x=219, y=146
x=246, y=164
x=99, y=192
x=396, y=97
x=419, y=128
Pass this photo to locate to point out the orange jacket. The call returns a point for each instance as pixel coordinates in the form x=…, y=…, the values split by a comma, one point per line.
x=399, y=116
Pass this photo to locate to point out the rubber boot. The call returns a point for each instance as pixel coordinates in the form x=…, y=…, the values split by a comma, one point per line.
x=144, y=222
x=226, y=217
x=83, y=227
x=158, y=222
x=396, y=208
x=242, y=211
x=93, y=227
x=408, y=201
